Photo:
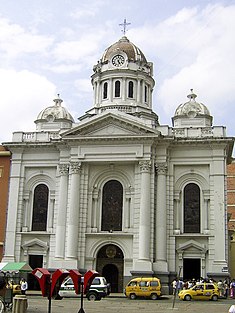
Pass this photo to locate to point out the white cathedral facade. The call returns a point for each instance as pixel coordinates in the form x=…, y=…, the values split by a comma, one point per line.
x=117, y=192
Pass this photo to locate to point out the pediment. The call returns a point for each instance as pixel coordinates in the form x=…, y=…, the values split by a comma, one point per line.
x=108, y=126
x=191, y=246
x=35, y=244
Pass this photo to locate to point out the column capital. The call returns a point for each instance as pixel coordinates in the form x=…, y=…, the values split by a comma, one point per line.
x=145, y=166
x=75, y=167
x=161, y=168
x=63, y=169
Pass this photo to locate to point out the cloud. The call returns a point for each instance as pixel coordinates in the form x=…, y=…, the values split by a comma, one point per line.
x=15, y=40
x=210, y=71
x=193, y=49
x=23, y=95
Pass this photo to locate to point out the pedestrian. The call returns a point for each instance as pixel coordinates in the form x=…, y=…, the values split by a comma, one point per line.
x=3, y=285
x=174, y=286
x=23, y=286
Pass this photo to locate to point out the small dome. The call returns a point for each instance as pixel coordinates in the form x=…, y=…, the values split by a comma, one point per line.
x=55, y=112
x=192, y=108
x=124, y=45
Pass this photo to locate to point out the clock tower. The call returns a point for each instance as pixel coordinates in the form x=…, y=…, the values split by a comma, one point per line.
x=123, y=80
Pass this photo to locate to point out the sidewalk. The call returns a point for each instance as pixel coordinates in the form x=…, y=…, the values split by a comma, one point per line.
x=38, y=293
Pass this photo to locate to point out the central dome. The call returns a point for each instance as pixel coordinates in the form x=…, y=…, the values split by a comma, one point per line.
x=124, y=45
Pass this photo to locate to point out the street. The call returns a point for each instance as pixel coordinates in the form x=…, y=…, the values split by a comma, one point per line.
x=120, y=304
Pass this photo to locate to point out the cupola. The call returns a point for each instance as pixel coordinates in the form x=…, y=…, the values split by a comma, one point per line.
x=192, y=114
x=123, y=80
x=54, y=117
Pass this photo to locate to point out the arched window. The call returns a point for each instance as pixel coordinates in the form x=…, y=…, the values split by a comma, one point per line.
x=145, y=94
x=191, y=208
x=40, y=207
x=130, y=89
x=117, y=88
x=105, y=90
x=112, y=202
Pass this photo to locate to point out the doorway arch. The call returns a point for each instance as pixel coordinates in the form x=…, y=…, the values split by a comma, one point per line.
x=110, y=263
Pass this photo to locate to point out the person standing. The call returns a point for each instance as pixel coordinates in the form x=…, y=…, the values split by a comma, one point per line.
x=2, y=294
x=23, y=286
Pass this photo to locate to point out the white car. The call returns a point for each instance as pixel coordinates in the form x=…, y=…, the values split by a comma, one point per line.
x=99, y=289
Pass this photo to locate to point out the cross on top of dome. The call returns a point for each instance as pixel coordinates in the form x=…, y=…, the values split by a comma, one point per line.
x=124, y=24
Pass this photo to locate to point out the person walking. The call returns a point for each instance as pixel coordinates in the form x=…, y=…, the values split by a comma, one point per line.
x=3, y=285
x=23, y=286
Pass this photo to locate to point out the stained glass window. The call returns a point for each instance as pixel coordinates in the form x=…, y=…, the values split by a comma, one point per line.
x=191, y=208
x=40, y=207
x=112, y=203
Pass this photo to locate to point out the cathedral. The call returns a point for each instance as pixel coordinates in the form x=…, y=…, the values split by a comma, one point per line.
x=116, y=191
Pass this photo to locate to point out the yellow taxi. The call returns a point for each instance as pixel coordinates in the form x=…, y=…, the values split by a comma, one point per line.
x=202, y=291
x=149, y=287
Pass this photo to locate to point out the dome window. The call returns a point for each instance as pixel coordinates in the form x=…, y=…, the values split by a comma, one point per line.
x=130, y=89
x=145, y=94
x=117, y=89
x=105, y=90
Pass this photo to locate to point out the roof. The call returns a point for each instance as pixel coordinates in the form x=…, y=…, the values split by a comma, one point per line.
x=15, y=267
x=124, y=45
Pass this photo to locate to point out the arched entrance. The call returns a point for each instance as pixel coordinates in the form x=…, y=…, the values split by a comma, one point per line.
x=110, y=263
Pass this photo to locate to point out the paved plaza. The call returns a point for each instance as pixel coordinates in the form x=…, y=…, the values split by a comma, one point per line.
x=120, y=304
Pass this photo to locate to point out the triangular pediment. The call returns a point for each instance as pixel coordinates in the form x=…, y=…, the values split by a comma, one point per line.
x=109, y=125
x=36, y=244
x=191, y=246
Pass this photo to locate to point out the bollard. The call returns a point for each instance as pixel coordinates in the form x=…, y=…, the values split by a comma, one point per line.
x=20, y=304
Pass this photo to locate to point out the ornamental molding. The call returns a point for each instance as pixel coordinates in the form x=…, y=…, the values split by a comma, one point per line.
x=161, y=168
x=145, y=166
x=75, y=167
x=63, y=169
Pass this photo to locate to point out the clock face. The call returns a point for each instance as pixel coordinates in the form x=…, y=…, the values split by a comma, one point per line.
x=118, y=60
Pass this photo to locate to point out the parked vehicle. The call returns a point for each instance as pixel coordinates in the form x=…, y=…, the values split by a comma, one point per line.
x=99, y=289
x=202, y=291
x=149, y=287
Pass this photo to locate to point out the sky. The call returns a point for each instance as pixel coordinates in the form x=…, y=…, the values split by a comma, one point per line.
x=49, y=47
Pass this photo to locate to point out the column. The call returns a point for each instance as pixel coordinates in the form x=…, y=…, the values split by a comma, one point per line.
x=26, y=215
x=110, y=90
x=161, y=218
x=206, y=214
x=177, y=216
x=143, y=92
x=51, y=211
x=138, y=91
x=61, y=216
x=94, y=211
x=13, y=205
x=124, y=89
x=72, y=243
x=144, y=228
x=127, y=211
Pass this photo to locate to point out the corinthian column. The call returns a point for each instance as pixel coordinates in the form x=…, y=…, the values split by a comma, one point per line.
x=75, y=169
x=61, y=217
x=144, y=227
x=161, y=218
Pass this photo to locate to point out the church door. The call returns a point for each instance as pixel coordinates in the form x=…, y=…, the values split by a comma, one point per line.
x=110, y=265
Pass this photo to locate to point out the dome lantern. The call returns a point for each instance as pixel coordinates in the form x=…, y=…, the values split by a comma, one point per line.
x=54, y=117
x=192, y=114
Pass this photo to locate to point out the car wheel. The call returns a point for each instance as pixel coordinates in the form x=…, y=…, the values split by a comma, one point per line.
x=154, y=296
x=187, y=297
x=92, y=296
x=132, y=296
x=214, y=298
